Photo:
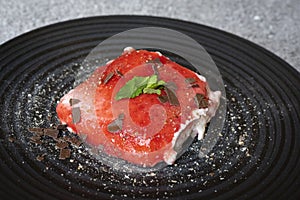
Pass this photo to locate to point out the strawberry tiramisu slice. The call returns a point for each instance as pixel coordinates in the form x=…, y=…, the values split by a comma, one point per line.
x=141, y=107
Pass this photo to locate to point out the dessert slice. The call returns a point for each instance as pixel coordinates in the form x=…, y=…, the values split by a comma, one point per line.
x=141, y=107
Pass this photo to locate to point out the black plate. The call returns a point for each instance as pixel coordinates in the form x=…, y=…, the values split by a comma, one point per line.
x=257, y=156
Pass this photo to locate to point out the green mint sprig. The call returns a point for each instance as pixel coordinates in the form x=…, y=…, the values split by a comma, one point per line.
x=140, y=85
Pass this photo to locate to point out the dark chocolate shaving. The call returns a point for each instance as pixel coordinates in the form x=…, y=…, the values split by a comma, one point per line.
x=73, y=101
x=118, y=73
x=163, y=98
x=194, y=85
x=155, y=64
x=155, y=69
x=171, y=85
x=190, y=80
x=170, y=89
x=201, y=101
x=75, y=115
x=64, y=153
x=117, y=124
x=108, y=77
x=172, y=98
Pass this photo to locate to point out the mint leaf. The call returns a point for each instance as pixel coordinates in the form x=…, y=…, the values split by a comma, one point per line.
x=139, y=85
x=151, y=91
x=137, y=92
x=132, y=88
x=140, y=81
x=152, y=80
x=161, y=83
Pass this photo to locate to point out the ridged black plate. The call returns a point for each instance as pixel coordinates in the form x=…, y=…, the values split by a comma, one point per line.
x=257, y=156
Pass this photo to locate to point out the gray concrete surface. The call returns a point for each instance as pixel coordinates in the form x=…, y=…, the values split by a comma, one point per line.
x=273, y=24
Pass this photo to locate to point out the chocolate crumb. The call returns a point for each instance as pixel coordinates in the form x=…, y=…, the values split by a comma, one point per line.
x=36, y=139
x=62, y=139
x=36, y=130
x=61, y=144
x=51, y=132
x=40, y=157
x=64, y=153
x=73, y=140
x=11, y=138
x=76, y=142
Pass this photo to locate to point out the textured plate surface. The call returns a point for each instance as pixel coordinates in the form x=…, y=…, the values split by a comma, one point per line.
x=257, y=156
